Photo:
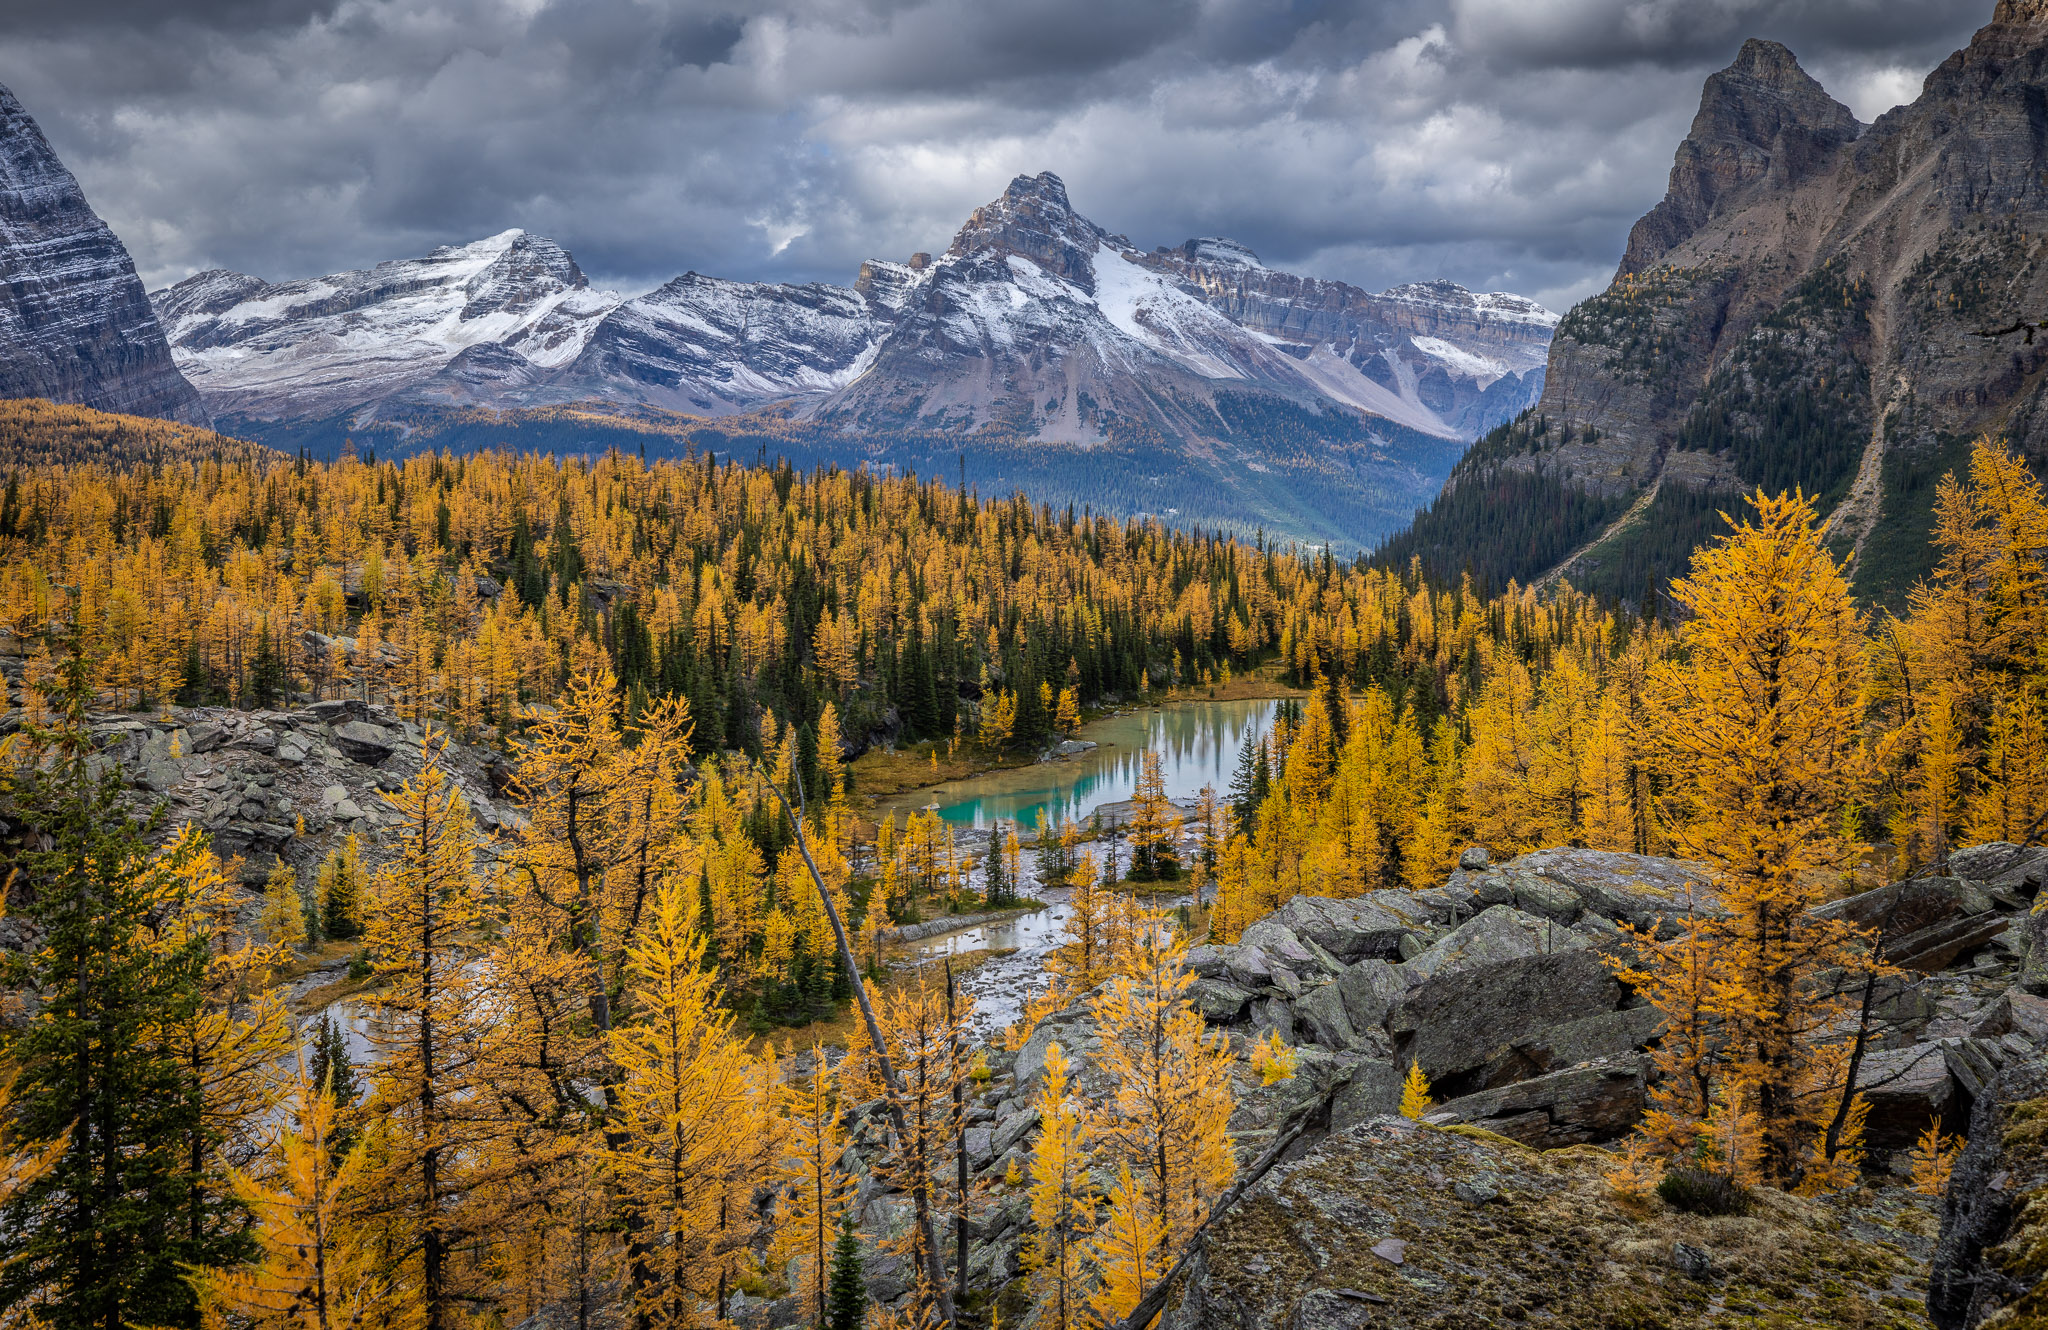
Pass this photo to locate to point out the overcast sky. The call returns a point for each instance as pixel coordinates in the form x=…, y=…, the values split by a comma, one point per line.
x=1506, y=144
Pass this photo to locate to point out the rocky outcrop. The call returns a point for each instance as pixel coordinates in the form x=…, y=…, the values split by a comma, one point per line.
x=1498, y=984
x=1989, y=1261
x=1800, y=266
x=1764, y=125
x=1390, y=1223
x=75, y=323
x=286, y=785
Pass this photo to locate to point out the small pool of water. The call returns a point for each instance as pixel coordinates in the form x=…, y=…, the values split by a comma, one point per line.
x=1198, y=744
x=1000, y=987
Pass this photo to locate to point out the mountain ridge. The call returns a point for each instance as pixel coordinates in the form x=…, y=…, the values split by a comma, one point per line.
x=1803, y=308
x=708, y=345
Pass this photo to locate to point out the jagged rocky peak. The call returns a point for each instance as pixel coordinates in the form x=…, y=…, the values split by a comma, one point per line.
x=530, y=269
x=1764, y=125
x=887, y=285
x=75, y=322
x=1215, y=250
x=2021, y=13
x=1034, y=219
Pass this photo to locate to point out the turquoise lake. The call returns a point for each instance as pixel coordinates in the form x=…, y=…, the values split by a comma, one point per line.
x=1198, y=744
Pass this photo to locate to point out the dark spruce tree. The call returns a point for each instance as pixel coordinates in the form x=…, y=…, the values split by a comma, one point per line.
x=104, y=1241
x=846, y=1298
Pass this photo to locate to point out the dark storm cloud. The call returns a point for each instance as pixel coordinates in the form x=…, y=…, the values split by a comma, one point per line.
x=1503, y=143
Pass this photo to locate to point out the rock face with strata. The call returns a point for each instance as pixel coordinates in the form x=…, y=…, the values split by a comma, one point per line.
x=75, y=323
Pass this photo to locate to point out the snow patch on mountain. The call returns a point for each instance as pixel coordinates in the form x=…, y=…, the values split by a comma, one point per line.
x=1152, y=311
x=1484, y=368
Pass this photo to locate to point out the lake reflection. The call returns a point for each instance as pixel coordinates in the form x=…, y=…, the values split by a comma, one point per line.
x=1198, y=744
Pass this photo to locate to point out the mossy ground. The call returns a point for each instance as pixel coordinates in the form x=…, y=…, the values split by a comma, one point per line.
x=1555, y=1247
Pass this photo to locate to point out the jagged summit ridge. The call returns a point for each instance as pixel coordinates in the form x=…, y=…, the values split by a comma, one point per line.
x=1805, y=307
x=1035, y=220
x=1034, y=319
x=75, y=323
x=329, y=344
x=1764, y=124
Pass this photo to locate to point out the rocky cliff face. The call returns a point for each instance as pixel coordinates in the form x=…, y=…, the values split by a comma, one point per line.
x=75, y=323
x=1430, y=355
x=1804, y=308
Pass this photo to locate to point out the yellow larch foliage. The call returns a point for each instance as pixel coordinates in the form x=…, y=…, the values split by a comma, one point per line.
x=419, y=922
x=1130, y=1250
x=1415, y=1099
x=816, y=1190
x=1934, y=1159
x=684, y=1116
x=1062, y=1199
x=1759, y=735
x=283, y=918
x=1167, y=1115
x=313, y=1269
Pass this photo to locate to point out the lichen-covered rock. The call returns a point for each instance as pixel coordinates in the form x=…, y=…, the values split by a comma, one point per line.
x=1994, y=1233
x=1348, y=1012
x=1453, y=1023
x=1608, y=1035
x=1354, y=930
x=1391, y=1224
x=1637, y=889
x=1598, y=1102
x=1498, y=933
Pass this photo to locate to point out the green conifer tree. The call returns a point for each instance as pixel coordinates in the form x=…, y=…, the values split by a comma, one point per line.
x=847, y=1297
x=104, y=1239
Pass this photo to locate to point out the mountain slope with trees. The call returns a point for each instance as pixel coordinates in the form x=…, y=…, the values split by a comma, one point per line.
x=1806, y=306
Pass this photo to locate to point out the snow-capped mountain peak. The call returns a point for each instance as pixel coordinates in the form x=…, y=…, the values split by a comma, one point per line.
x=1218, y=250
x=1034, y=319
x=327, y=344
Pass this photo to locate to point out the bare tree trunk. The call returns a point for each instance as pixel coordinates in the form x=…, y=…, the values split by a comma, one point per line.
x=959, y=1150
x=934, y=1268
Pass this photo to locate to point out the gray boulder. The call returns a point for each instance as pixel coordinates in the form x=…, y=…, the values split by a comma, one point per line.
x=1071, y=1029
x=1907, y=1088
x=1219, y=1000
x=1497, y=933
x=1348, y=1012
x=1373, y=1090
x=1637, y=889
x=1287, y=951
x=1360, y=928
x=1579, y=1106
x=1609, y=1036
x=1210, y=962
x=364, y=742
x=1454, y=1023
x=2003, y=866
